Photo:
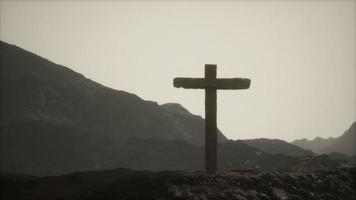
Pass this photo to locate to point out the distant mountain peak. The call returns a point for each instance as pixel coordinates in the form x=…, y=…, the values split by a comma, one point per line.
x=353, y=126
x=317, y=138
x=346, y=143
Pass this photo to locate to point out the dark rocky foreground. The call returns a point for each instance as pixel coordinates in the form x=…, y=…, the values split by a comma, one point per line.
x=130, y=184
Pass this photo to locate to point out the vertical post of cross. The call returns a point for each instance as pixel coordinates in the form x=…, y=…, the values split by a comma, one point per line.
x=210, y=122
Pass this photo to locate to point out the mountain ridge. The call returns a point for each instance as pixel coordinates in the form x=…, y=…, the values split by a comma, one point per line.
x=345, y=143
x=277, y=146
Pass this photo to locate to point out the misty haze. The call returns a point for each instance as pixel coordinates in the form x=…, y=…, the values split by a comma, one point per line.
x=178, y=100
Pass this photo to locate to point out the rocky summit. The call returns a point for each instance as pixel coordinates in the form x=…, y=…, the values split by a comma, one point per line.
x=130, y=184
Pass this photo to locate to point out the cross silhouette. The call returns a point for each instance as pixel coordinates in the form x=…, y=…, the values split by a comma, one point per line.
x=210, y=83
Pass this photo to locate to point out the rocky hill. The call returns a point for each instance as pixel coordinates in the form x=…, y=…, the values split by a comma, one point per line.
x=53, y=116
x=35, y=89
x=175, y=185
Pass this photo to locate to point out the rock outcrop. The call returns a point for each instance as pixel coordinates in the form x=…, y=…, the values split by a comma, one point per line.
x=170, y=185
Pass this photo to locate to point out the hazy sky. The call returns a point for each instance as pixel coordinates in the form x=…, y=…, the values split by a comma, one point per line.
x=300, y=55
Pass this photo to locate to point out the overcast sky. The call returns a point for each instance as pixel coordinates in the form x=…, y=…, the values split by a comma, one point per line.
x=300, y=55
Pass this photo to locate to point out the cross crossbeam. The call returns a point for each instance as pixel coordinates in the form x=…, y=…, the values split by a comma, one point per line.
x=210, y=83
x=220, y=84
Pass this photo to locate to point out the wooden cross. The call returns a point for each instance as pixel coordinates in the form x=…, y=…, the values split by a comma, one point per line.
x=210, y=83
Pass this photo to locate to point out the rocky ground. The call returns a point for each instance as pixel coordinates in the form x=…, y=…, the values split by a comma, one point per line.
x=130, y=184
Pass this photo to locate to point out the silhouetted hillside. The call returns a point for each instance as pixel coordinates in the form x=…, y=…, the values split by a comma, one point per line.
x=345, y=144
x=35, y=89
x=276, y=146
x=51, y=115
